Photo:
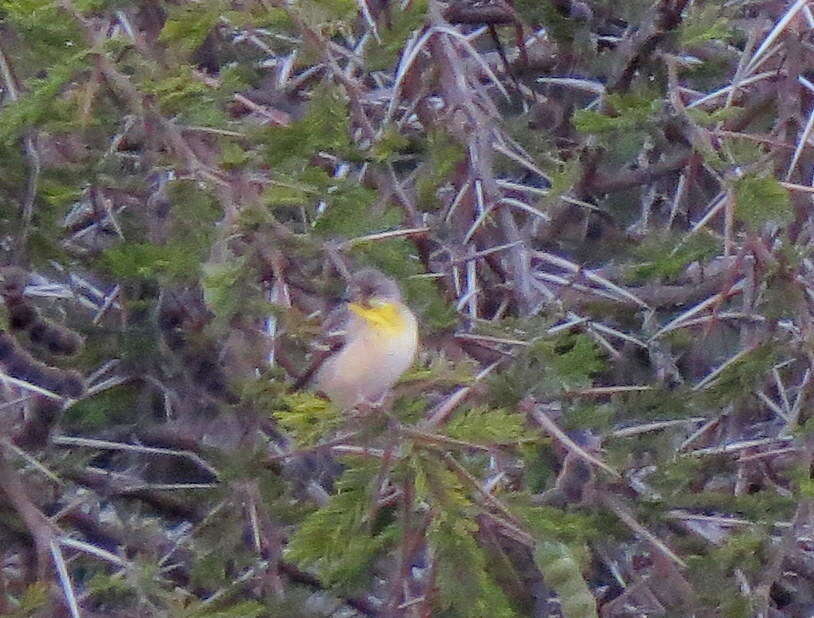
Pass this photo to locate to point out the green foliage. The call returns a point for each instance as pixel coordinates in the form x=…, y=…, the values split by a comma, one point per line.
x=700, y=26
x=572, y=528
x=389, y=145
x=562, y=177
x=188, y=25
x=464, y=586
x=307, y=417
x=655, y=404
x=562, y=573
x=110, y=407
x=463, y=583
x=194, y=213
x=745, y=551
x=740, y=378
x=325, y=127
x=381, y=55
x=487, y=426
x=42, y=104
x=562, y=28
x=668, y=257
x=801, y=476
x=590, y=416
x=230, y=290
x=435, y=312
x=219, y=551
x=45, y=28
x=350, y=211
x=33, y=600
x=330, y=15
x=233, y=155
x=759, y=200
x=574, y=360
x=135, y=260
x=340, y=540
x=710, y=119
x=762, y=507
x=441, y=155
x=109, y=588
x=532, y=12
x=176, y=93
x=548, y=367
x=286, y=190
x=181, y=192
x=677, y=474
x=630, y=112
x=223, y=285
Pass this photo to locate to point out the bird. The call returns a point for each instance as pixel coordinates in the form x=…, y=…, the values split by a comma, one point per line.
x=368, y=343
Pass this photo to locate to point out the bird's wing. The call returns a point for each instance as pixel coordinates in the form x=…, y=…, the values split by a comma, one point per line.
x=329, y=342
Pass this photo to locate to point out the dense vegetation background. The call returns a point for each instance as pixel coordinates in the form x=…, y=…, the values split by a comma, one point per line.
x=601, y=211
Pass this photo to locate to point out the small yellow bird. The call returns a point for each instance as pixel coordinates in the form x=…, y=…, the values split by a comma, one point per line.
x=372, y=341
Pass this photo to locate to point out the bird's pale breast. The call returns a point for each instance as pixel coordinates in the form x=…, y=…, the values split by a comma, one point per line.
x=371, y=361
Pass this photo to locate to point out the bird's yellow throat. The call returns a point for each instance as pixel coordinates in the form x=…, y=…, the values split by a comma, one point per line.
x=383, y=316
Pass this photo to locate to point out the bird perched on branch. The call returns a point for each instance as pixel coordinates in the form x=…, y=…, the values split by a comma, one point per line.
x=368, y=343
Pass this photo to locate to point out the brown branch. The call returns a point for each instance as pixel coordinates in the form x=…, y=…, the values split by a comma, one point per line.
x=41, y=529
x=626, y=180
x=641, y=45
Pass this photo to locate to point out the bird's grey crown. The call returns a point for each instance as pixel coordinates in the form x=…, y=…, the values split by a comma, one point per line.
x=371, y=283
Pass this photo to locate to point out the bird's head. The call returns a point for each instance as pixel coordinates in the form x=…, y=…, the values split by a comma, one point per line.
x=369, y=287
x=376, y=299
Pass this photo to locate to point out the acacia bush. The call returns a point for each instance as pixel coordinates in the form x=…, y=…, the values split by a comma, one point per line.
x=600, y=211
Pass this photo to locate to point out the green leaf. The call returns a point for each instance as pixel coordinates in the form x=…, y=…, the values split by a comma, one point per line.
x=631, y=111
x=325, y=127
x=109, y=588
x=389, y=145
x=548, y=367
x=328, y=14
x=441, y=156
x=109, y=407
x=42, y=103
x=590, y=416
x=562, y=572
x=487, y=426
x=575, y=360
x=188, y=25
x=465, y=588
x=667, y=257
x=44, y=28
x=740, y=378
x=33, y=601
x=759, y=200
x=704, y=25
x=230, y=289
x=234, y=155
x=307, y=417
x=560, y=27
x=338, y=539
x=180, y=93
x=710, y=574
x=191, y=231
x=382, y=54
x=557, y=525
x=351, y=210
x=146, y=261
